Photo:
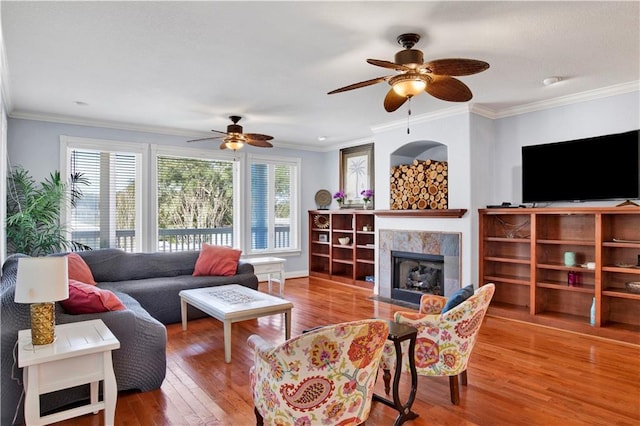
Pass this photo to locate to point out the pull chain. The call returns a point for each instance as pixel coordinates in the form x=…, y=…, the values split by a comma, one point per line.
x=409, y=115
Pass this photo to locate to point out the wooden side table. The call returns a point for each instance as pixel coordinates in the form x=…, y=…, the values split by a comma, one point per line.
x=398, y=333
x=80, y=354
x=269, y=265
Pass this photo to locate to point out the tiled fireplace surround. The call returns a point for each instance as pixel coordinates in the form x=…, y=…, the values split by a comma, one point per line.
x=445, y=244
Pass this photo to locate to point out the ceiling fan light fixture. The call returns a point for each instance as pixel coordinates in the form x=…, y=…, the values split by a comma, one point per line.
x=234, y=141
x=408, y=86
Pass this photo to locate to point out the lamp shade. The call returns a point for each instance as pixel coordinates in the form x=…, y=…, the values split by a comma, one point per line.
x=42, y=279
x=409, y=87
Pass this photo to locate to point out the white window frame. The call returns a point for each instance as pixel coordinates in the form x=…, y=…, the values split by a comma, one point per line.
x=198, y=154
x=295, y=236
x=70, y=143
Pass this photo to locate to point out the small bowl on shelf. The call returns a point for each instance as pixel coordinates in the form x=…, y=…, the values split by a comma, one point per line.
x=344, y=240
x=633, y=286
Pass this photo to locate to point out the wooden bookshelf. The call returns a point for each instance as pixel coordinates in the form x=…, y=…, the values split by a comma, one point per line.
x=348, y=263
x=521, y=251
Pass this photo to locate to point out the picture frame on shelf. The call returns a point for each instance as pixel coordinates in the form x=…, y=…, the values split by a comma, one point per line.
x=356, y=173
x=323, y=238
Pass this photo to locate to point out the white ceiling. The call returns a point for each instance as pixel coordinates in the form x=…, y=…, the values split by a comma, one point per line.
x=184, y=67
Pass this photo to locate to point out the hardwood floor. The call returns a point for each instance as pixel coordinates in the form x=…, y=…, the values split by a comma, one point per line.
x=519, y=374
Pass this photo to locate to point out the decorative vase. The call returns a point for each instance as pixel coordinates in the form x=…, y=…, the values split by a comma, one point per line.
x=367, y=204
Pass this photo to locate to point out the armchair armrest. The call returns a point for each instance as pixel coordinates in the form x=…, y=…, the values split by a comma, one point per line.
x=418, y=320
x=259, y=345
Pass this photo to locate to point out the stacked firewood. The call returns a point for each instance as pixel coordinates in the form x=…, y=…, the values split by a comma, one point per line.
x=419, y=186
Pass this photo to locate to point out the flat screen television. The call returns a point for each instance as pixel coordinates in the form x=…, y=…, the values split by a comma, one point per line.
x=599, y=168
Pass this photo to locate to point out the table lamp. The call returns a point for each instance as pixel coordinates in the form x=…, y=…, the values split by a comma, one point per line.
x=40, y=282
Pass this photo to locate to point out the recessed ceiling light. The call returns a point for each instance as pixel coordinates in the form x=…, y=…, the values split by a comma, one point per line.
x=322, y=138
x=551, y=80
x=80, y=103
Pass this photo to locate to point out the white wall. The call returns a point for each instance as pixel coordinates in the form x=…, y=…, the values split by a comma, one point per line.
x=484, y=158
x=36, y=146
x=614, y=114
x=454, y=132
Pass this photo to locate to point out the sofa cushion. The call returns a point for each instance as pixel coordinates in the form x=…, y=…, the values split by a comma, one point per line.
x=78, y=269
x=458, y=297
x=109, y=265
x=217, y=260
x=89, y=299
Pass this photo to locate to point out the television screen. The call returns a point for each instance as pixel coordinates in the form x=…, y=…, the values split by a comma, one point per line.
x=599, y=168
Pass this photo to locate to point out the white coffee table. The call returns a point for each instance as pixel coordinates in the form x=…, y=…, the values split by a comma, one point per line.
x=233, y=303
x=80, y=354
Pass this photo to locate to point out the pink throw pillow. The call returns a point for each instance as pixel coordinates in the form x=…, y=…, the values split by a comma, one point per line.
x=89, y=299
x=217, y=260
x=79, y=270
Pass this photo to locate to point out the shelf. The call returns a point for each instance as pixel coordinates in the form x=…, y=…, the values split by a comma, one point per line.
x=445, y=213
x=508, y=279
x=621, y=270
x=621, y=245
x=319, y=254
x=320, y=242
x=366, y=261
x=366, y=247
x=531, y=277
x=508, y=240
x=582, y=288
x=568, y=242
x=562, y=267
x=521, y=260
x=621, y=293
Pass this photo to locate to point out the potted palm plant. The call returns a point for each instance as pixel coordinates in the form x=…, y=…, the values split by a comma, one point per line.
x=33, y=224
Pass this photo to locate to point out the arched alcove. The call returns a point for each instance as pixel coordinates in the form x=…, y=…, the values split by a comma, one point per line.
x=419, y=150
x=419, y=176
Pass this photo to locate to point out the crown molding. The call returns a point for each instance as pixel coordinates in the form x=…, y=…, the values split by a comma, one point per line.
x=604, y=92
x=64, y=119
x=478, y=109
x=423, y=118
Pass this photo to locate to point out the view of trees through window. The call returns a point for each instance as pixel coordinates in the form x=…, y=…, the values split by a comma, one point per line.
x=195, y=200
x=194, y=195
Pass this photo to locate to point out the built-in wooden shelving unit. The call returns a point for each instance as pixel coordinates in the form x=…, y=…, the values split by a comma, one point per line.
x=522, y=252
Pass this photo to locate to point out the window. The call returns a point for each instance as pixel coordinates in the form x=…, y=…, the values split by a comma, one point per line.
x=108, y=214
x=274, y=209
x=195, y=202
x=181, y=198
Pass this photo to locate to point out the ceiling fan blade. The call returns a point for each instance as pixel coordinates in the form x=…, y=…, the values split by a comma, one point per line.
x=205, y=139
x=448, y=88
x=455, y=66
x=223, y=145
x=260, y=143
x=358, y=85
x=388, y=64
x=393, y=101
x=258, y=136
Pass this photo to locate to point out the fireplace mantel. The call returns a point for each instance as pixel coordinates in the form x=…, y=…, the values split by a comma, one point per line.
x=443, y=213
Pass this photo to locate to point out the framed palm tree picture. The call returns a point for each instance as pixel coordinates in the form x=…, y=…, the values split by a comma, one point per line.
x=356, y=173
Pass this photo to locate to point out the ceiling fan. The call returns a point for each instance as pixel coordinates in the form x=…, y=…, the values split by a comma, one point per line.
x=234, y=139
x=415, y=76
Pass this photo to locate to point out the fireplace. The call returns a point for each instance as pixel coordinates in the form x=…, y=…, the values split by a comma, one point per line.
x=432, y=253
x=415, y=274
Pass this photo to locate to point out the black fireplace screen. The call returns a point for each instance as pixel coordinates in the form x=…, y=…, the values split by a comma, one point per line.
x=415, y=274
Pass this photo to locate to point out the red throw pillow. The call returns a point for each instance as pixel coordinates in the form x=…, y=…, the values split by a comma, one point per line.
x=217, y=260
x=79, y=270
x=89, y=299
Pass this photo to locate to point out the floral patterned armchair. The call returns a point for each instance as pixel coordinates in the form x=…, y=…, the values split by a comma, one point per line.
x=445, y=340
x=323, y=377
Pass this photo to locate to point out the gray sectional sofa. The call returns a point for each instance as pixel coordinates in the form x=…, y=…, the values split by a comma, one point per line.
x=148, y=285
